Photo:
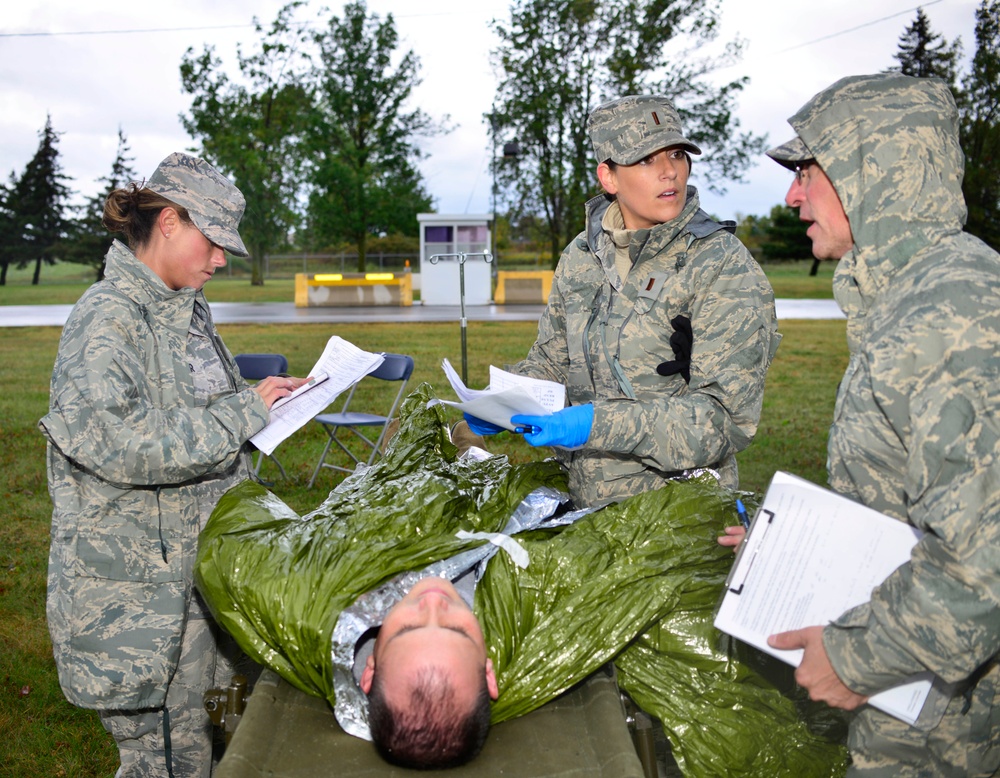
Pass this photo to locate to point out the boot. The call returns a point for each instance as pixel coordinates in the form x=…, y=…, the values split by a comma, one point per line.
x=465, y=438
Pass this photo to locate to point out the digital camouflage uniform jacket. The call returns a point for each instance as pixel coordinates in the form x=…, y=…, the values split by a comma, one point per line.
x=130, y=456
x=646, y=426
x=916, y=432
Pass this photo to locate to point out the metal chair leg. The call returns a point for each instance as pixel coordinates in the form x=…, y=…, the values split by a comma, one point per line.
x=319, y=465
x=260, y=461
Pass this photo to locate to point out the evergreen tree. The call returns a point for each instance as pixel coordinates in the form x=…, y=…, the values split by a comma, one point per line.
x=90, y=240
x=38, y=201
x=923, y=53
x=8, y=233
x=363, y=150
x=558, y=60
x=786, y=236
x=979, y=114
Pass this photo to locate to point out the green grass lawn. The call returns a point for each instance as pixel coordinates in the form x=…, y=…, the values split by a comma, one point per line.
x=41, y=734
x=63, y=284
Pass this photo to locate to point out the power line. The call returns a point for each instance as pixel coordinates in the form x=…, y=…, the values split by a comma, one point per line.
x=859, y=27
x=120, y=32
x=196, y=29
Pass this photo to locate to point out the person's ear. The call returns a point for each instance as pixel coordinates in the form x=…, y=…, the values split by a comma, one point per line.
x=168, y=221
x=607, y=178
x=491, y=680
x=368, y=674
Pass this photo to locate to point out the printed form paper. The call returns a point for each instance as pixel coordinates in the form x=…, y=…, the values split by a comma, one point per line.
x=343, y=364
x=810, y=555
x=507, y=395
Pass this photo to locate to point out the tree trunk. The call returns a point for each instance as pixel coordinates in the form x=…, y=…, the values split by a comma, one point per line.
x=815, y=268
x=38, y=272
x=256, y=267
x=362, y=251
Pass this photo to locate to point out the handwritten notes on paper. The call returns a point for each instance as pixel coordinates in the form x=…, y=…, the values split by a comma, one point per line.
x=343, y=364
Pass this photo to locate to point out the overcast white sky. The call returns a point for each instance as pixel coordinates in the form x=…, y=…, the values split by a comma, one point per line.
x=99, y=65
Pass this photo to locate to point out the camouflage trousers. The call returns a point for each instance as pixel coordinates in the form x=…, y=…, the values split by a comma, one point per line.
x=965, y=744
x=208, y=659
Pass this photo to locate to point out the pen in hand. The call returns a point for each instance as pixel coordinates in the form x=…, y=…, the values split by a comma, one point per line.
x=526, y=429
x=742, y=513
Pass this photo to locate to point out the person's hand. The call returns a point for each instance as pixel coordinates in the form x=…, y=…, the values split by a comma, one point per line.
x=568, y=428
x=733, y=537
x=815, y=674
x=481, y=427
x=275, y=387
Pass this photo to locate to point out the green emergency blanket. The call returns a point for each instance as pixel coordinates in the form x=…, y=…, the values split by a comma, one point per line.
x=635, y=582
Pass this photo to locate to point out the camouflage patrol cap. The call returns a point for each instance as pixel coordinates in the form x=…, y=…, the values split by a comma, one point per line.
x=214, y=204
x=632, y=127
x=791, y=154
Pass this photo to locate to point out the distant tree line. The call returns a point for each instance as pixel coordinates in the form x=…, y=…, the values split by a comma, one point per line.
x=314, y=130
x=317, y=130
x=925, y=53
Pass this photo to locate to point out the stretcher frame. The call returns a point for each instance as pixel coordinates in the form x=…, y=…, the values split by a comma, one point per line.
x=285, y=733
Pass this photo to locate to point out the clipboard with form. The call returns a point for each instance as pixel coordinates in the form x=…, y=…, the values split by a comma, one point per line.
x=810, y=555
x=341, y=365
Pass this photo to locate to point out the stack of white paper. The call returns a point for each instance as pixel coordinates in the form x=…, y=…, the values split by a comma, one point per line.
x=507, y=395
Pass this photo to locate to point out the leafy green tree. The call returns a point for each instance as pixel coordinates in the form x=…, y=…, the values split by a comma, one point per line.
x=254, y=131
x=752, y=231
x=786, y=236
x=979, y=113
x=89, y=239
x=545, y=91
x=559, y=59
x=37, y=201
x=363, y=140
x=924, y=53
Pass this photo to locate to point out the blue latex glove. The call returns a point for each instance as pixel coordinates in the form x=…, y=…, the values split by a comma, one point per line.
x=568, y=428
x=481, y=427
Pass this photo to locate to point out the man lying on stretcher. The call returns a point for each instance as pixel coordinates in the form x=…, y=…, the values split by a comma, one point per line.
x=553, y=598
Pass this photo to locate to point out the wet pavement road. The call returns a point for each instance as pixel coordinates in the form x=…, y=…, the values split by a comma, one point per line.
x=287, y=313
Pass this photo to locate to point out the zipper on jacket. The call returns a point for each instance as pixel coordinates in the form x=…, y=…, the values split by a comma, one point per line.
x=624, y=385
x=159, y=512
x=594, y=308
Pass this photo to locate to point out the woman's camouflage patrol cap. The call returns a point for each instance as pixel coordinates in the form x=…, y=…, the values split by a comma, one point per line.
x=214, y=204
x=632, y=127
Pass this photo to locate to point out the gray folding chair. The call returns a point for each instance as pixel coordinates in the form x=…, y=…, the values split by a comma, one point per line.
x=396, y=367
x=254, y=367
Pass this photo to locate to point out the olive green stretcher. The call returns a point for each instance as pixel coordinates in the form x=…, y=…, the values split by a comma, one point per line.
x=285, y=733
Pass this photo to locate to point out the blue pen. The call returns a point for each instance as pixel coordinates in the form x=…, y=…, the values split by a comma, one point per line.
x=524, y=429
x=742, y=512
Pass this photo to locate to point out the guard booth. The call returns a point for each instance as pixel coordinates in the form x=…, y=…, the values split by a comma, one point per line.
x=454, y=234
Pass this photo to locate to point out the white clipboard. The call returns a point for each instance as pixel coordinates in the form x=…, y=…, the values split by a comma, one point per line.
x=811, y=554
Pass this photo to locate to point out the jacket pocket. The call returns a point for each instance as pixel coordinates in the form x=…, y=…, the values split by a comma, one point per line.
x=116, y=614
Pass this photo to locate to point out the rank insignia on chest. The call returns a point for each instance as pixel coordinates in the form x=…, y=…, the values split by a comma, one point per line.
x=652, y=285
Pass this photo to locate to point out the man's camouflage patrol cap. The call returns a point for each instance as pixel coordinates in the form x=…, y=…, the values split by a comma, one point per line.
x=214, y=204
x=630, y=128
x=791, y=154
